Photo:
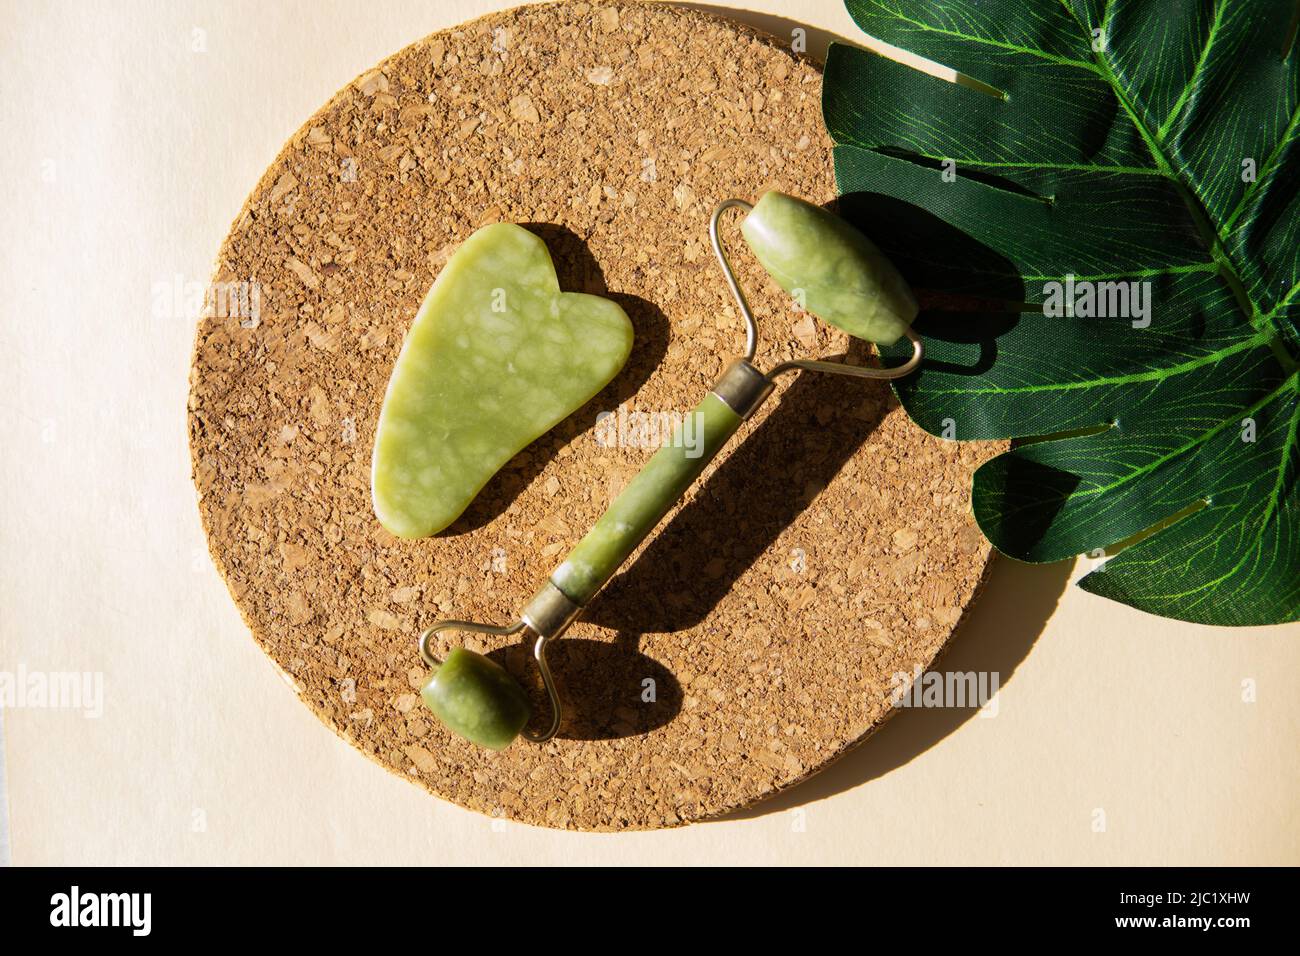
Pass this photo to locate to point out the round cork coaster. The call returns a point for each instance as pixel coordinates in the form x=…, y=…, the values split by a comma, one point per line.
x=753, y=639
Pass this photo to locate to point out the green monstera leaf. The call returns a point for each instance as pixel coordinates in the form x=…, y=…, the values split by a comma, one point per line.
x=1131, y=164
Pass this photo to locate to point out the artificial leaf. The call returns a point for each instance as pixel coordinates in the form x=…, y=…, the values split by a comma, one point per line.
x=1134, y=162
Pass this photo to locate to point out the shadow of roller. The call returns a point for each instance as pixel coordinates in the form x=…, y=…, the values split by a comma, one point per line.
x=746, y=504
x=603, y=684
x=977, y=289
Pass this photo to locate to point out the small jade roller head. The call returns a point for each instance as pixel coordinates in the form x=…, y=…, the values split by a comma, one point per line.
x=476, y=697
x=835, y=271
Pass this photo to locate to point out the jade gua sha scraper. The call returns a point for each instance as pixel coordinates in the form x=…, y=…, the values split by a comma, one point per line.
x=496, y=357
x=840, y=276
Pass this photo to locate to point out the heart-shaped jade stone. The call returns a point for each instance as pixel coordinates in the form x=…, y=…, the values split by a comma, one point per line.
x=496, y=357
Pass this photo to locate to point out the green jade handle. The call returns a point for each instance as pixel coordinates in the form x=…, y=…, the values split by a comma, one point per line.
x=647, y=498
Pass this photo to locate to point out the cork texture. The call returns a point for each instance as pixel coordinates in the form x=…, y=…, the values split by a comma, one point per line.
x=752, y=640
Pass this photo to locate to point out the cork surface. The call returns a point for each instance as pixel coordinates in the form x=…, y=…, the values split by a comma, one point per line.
x=752, y=640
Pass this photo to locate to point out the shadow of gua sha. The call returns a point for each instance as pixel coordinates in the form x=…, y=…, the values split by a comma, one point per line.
x=769, y=479
x=577, y=271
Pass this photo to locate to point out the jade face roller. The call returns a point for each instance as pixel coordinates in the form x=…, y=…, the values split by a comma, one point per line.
x=837, y=274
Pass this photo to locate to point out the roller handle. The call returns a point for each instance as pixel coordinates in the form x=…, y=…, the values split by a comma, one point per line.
x=661, y=483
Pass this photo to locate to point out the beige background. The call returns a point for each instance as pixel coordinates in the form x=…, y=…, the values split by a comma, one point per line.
x=128, y=152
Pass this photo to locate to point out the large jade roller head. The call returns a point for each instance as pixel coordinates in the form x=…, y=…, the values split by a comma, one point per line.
x=834, y=271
